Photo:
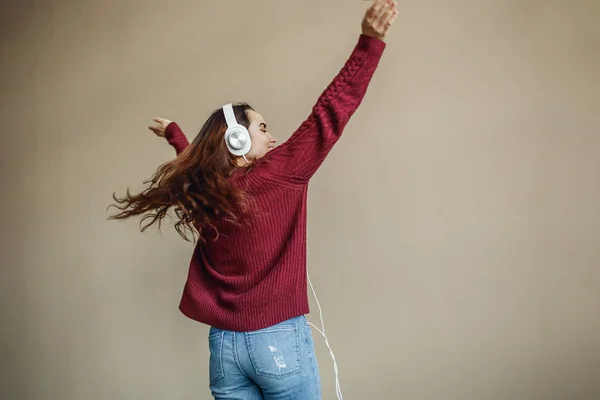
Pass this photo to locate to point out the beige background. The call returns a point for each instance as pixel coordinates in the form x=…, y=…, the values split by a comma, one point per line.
x=454, y=232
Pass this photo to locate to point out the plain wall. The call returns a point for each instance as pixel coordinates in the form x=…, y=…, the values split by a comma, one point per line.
x=454, y=231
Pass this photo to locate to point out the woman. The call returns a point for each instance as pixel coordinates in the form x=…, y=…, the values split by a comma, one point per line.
x=246, y=200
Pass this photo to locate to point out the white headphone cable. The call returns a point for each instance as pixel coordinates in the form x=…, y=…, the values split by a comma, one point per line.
x=338, y=389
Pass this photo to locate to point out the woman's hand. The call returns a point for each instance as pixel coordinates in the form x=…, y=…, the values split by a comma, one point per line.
x=160, y=127
x=378, y=18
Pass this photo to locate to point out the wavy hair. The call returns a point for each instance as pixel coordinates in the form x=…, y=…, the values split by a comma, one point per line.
x=195, y=185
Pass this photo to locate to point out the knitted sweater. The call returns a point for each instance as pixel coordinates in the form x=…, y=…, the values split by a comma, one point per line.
x=255, y=276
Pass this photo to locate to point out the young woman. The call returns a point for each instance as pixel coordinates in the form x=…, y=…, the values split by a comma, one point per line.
x=246, y=201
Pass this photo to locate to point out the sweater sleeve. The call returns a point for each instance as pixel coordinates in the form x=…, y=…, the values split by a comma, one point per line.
x=299, y=157
x=175, y=137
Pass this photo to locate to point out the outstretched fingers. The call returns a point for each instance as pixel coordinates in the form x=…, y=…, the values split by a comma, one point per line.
x=386, y=15
x=390, y=21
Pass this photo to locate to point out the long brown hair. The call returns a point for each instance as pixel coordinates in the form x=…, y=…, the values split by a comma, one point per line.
x=195, y=184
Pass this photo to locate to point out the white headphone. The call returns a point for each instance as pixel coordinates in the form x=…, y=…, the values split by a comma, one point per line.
x=237, y=136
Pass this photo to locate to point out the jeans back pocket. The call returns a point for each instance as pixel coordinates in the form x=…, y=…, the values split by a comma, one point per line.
x=274, y=351
x=215, y=346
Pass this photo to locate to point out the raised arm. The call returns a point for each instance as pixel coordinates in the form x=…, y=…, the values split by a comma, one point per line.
x=170, y=131
x=299, y=157
x=176, y=137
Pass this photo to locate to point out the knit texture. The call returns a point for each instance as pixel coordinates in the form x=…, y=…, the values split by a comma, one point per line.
x=254, y=276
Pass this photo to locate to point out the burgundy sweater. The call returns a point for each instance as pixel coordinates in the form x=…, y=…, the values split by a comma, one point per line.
x=254, y=277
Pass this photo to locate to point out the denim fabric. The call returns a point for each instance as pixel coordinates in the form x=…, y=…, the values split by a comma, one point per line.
x=275, y=363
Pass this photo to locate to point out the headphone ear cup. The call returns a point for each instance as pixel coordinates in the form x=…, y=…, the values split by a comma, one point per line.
x=237, y=139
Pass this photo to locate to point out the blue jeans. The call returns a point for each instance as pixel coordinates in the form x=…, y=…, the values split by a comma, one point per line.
x=277, y=362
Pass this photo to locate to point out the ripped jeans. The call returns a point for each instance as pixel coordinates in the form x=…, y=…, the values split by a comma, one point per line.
x=273, y=363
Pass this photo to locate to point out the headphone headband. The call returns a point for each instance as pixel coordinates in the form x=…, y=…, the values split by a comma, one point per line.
x=229, y=115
